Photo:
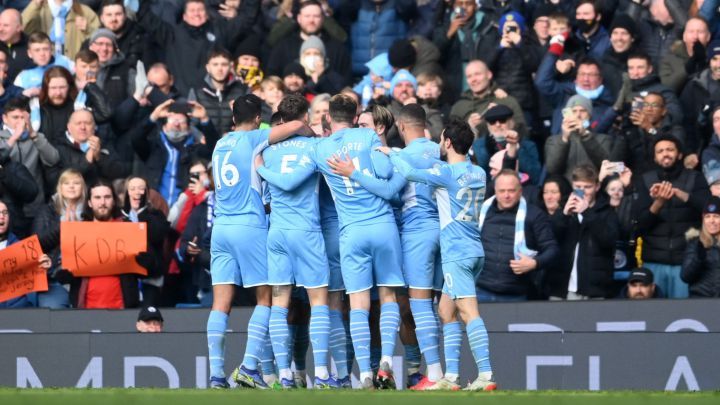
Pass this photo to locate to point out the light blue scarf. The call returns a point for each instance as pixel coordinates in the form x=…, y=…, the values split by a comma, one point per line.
x=520, y=244
x=57, y=32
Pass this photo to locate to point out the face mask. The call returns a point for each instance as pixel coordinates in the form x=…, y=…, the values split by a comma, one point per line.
x=586, y=124
x=176, y=136
x=586, y=25
x=84, y=147
x=590, y=94
x=309, y=62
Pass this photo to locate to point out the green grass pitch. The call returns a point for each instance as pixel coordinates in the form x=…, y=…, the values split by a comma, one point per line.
x=112, y=396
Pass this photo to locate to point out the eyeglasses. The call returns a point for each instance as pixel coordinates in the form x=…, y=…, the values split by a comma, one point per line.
x=4, y=213
x=654, y=105
x=588, y=74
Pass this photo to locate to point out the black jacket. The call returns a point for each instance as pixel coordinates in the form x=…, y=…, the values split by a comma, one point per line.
x=595, y=239
x=106, y=167
x=186, y=47
x=701, y=267
x=498, y=237
x=664, y=233
x=514, y=67
x=197, y=227
x=157, y=229
x=697, y=99
x=17, y=58
x=217, y=103
x=117, y=79
x=146, y=141
x=17, y=188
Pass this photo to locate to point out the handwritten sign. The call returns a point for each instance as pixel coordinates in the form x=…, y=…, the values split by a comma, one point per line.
x=102, y=248
x=20, y=272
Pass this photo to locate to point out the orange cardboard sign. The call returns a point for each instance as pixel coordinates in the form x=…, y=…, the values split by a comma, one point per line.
x=20, y=272
x=102, y=248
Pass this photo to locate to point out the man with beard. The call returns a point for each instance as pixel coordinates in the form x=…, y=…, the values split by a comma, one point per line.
x=130, y=38
x=592, y=37
x=105, y=292
x=220, y=87
x=670, y=201
x=309, y=20
x=402, y=90
x=167, y=143
x=641, y=286
x=187, y=42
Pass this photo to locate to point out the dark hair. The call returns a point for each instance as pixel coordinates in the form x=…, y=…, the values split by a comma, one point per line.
x=87, y=213
x=595, y=5
x=412, y=114
x=342, y=108
x=17, y=103
x=53, y=72
x=276, y=119
x=108, y=3
x=303, y=4
x=87, y=56
x=460, y=135
x=219, y=52
x=143, y=202
x=640, y=55
x=563, y=185
x=293, y=107
x=656, y=94
x=193, y=1
x=588, y=60
x=246, y=108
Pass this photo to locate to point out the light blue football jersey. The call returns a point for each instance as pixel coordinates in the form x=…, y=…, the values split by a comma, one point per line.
x=238, y=190
x=460, y=191
x=354, y=203
x=294, y=202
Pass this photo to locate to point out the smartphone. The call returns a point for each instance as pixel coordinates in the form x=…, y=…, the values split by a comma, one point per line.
x=512, y=28
x=566, y=112
x=195, y=176
x=637, y=105
x=459, y=11
x=618, y=167
x=90, y=75
x=193, y=244
x=579, y=192
x=180, y=107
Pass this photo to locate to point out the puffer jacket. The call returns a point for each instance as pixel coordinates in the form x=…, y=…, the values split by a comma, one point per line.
x=217, y=102
x=701, y=266
x=514, y=68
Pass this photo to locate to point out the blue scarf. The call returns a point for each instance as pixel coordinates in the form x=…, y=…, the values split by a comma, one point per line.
x=520, y=244
x=57, y=31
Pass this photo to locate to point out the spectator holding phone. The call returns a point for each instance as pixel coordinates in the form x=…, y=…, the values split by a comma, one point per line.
x=167, y=142
x=590, y=228
x=578, y=143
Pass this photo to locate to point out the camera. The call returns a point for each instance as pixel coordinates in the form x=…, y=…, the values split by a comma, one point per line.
x=512, y=28
x=195, y=176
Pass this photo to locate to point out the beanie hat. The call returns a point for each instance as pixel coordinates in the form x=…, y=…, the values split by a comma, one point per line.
x=402, y=75
x=625, y=22
x=295, y=69
x=512, y=16
x=249, y=46
x=313, y=42
x=104, y=33
x=578, y=100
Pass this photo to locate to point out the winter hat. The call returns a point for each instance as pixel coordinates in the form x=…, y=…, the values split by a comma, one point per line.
x=250, y=46
x=313, y=42
x=543, y=10
x=380, y=66
x=641, y=274
x=295, y=69
x=713, y=49
x=402, y=75
x=578, y=100
x=104, y=33
x=497, y=113
x=712, y=206
x=625, y=22
x=402, y=54
x=512, y=16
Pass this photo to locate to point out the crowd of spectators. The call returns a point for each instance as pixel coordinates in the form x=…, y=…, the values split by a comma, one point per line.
x=597, y=121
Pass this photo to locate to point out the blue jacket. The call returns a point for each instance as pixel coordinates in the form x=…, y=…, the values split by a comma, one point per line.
x=375, y=30
x=557, y=93
x=27, y=300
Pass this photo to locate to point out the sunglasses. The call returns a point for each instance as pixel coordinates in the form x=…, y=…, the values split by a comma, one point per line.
x=499, y=121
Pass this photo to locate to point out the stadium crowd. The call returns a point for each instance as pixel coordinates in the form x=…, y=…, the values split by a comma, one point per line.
x=608, y=110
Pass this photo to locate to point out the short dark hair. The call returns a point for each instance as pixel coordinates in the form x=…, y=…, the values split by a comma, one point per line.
x=588, y=60
x=219, y=52
x=17, y=103
x=276, y=119
x=585, y=172
x=293, y=107
x=342, y=108
x=303, y=4
x=595, y=5
x=38, y=37
x=460, y=135
x=193, y=1
x=412, y=114
x=246, y=108
x=108, y=3
x=640, y=55
x=87, y=56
